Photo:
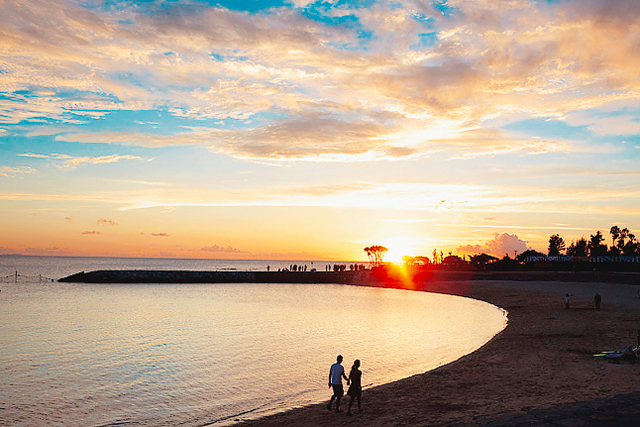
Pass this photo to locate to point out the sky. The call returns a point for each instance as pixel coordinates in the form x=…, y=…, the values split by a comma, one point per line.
x=310, y=130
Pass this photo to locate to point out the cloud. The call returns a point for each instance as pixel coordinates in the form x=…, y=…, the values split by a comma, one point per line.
x=589, y=197
x=620, y=125
x=330, y=139
x=90, y=233
x=217, y=248
x=159, y=234
x=71, y=162
x=103, y=221
x=285, y=77
x=8, y=170
x=501, y=245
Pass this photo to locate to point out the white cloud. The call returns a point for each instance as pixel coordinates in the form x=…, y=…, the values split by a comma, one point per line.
x=71, y=162
x=9, y=170
x=620, y=125
x=501, y=245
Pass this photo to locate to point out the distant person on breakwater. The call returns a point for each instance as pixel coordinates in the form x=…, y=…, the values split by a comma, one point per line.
x=336, y=373
x=597, y=300
x=355, y=390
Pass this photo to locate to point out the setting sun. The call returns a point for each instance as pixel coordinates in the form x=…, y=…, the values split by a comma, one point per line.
x=398, y=248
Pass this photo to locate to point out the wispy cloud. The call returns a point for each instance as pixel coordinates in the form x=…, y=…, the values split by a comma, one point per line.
x=409, y=196
x=8, y=170
x=227, y=249
x=52, y=250
x=512, y=227
x=324, y=139
x=90, y=233
x=103, y=221
x=71, y=162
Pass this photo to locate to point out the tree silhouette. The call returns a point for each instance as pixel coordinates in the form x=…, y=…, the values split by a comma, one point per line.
x=375, y=254
x=481, y=261
x=556, y=245
x=596, y=246
x=623, y=241
x=578, y=248
x=615, y=235
x=528, y=253
x=624, y=234
x=631, y=247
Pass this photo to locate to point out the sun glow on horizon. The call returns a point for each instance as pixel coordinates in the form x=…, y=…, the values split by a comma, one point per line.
x=398, y=248
x=236, y=147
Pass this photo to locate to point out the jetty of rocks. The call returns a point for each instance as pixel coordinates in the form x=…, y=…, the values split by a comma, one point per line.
x=191, y=276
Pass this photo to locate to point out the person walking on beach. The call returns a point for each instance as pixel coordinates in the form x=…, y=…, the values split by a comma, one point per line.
x=336, y=373
x=597, y=300
x=566, y=300
x=355, y=390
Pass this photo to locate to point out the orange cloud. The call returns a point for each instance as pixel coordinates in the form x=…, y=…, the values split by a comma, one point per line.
x=103, y=221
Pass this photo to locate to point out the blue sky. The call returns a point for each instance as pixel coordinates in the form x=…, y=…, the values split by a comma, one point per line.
x=312, y=129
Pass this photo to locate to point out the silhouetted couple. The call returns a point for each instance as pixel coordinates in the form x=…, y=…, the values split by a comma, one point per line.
x=336, y=373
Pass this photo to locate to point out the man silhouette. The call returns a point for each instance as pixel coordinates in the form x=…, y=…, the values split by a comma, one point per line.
x=336, y=373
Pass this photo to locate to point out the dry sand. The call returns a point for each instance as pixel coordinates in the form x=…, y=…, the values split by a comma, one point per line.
x=544, y=358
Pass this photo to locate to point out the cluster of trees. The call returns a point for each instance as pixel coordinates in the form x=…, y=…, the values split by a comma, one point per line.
x=623, y=243
x=376, y=254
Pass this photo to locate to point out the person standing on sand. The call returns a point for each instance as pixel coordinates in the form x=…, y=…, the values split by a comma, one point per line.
x=566, y=300
x=355, y=390
x=336, y=373
x=597, y=300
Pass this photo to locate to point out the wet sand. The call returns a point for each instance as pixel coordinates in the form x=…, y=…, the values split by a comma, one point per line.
x=539, y=371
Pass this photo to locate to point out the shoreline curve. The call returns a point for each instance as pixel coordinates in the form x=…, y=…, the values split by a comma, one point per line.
x=539, y=369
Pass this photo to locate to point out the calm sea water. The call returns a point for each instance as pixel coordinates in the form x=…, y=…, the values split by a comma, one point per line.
x=207, y=354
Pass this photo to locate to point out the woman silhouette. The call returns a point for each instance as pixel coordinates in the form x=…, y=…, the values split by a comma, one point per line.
x=355, y=390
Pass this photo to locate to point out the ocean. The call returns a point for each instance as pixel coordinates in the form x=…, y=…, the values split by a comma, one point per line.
x=78, y=354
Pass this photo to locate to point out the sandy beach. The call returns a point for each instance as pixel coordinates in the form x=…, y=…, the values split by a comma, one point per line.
x=539, y=371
